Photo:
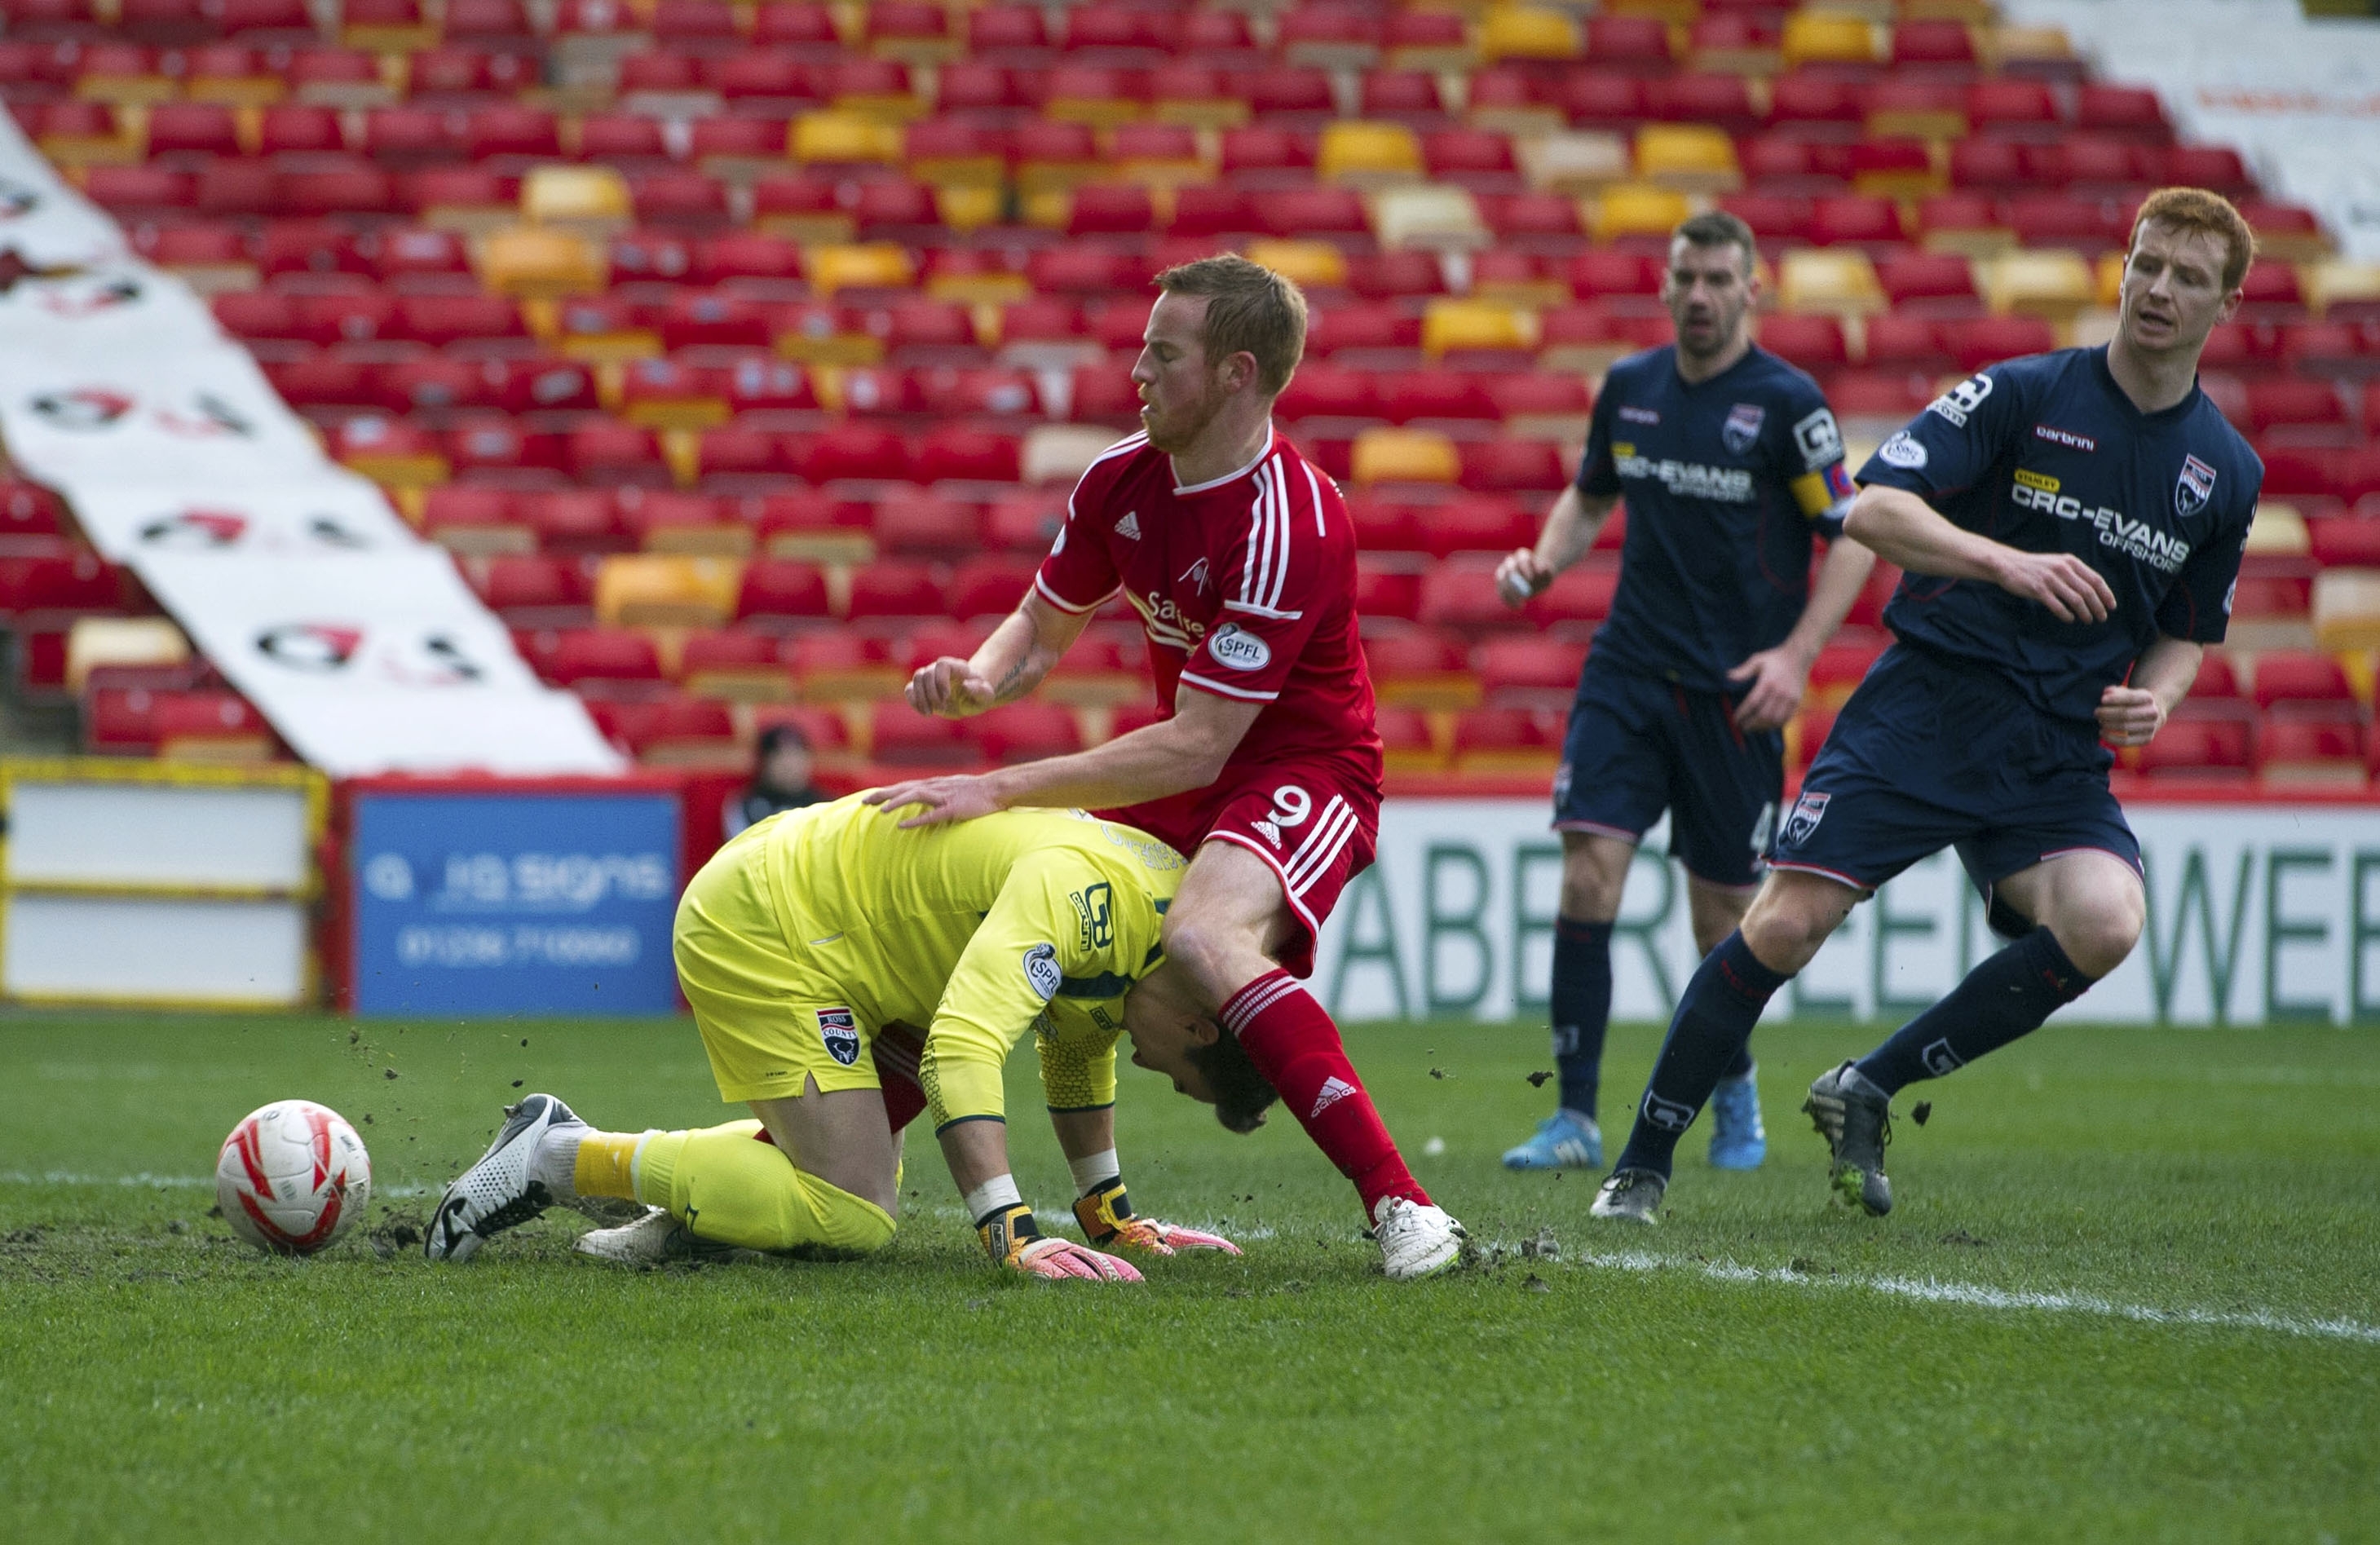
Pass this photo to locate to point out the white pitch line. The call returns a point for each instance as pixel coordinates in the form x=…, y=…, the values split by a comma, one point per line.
x=1929, y=1290
x=173, y=1181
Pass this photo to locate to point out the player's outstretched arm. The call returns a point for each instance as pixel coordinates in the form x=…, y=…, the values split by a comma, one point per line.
x=1903, y=528
x=1570, y=530
x=2132, y=715
x=1011, y=662
x=1779, y=675
x=1183, y=752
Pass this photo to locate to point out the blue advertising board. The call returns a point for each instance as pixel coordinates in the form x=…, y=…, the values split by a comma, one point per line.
x=544, y=900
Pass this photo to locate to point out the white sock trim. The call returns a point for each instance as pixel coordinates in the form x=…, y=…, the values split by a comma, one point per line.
x=1095, y=1170
x=995, y=1194
x=555, y=1165
x=636, y=1160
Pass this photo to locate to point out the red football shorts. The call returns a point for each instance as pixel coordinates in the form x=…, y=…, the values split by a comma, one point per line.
x=1317, y=822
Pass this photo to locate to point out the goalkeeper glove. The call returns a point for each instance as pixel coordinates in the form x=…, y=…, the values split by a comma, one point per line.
x=1013, y=1239
x=1107, y=1218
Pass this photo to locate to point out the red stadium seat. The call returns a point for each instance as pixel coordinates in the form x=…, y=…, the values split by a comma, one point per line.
x=1813, y=342
x=2196, y=750
x=1027, y=732
x=1529, y=673
x=901, y=737
x=1979, y=341
x=856, y=450
x=2303, y=753
x=1463, y=596
x=739, y=664
x=894, y=589
x=2298, y=679
x=782, y=589
x=1489, y=740
x=1387, y=592
x=1581, y=593
x=1930, y=284
x=1473, y=525
x=1511, y=466
x=596, y=658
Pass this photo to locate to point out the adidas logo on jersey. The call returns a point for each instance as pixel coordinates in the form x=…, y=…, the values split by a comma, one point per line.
x=1334, y=1089
x=1129, y=527
x=1271, y=832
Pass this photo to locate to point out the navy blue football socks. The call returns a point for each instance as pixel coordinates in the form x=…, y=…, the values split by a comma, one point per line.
x=2006, y=997
x=1706, y=1038
x=1581, y=1009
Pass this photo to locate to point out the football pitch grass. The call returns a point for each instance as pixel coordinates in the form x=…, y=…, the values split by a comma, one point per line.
x=2131, y=1291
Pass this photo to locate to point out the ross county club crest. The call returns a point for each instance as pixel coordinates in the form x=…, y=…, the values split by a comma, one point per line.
x=2193, y=488
x=1808, y=810
x=1741, y=430
x=840, y=1030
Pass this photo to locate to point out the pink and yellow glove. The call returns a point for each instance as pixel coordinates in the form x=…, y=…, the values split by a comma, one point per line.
x=1014, y=1240
x=1107, y=1218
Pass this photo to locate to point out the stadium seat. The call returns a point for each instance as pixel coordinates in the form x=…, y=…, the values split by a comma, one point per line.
x=2191, y=748
x=1025, y=732
x=2303, y=753
x=1528, y=672
x=901, y=737
x=1420, y=668
x=734, y=666
x=1492, y=741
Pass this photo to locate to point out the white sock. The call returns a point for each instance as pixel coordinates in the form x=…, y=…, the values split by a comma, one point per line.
x=1096, y=1170
x=555, y=1164
x=995, y=1194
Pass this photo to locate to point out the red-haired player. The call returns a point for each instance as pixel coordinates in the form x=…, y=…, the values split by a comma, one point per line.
x=1241, y=561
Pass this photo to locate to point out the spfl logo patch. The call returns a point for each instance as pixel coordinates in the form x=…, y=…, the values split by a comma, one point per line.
x=1741, y=430
x=1041, y=970
x=2193, y=488
x=840, y=1030
x=1802, y=821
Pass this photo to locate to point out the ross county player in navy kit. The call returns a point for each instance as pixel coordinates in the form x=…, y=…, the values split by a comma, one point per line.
x=2071, y=525
x=1732, y=469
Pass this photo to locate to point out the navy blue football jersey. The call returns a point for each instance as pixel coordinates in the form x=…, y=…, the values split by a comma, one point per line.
x=2045, y=454
x=1727, y=483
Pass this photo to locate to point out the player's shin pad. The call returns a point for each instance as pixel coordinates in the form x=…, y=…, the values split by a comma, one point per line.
x=1108, y=1222
x=1014, y=1240
x=728, y=1184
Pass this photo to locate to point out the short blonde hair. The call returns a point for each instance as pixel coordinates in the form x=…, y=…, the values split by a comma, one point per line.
x=2197, y=209
x=1250, y=309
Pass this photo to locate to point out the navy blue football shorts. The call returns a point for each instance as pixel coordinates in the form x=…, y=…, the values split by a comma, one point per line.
x=1932, y=753
x=1638, y=746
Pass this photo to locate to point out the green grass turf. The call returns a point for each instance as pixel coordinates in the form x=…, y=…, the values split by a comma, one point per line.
x=159, y=1380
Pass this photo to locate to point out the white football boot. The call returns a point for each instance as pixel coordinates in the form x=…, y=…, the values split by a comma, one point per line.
x=652, y=1240
x=502, y=1190
x=1415, y=1239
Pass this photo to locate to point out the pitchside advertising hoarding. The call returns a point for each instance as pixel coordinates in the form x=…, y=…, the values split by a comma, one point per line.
x=551, y=896
x=2257, y=913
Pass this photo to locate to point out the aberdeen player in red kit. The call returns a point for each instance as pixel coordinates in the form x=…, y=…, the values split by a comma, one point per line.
x=1241, y=561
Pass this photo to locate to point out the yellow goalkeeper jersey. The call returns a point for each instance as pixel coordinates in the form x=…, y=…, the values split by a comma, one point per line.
x=978, y=931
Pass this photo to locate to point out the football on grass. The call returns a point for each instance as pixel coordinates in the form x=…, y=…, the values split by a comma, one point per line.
x=293, y=1177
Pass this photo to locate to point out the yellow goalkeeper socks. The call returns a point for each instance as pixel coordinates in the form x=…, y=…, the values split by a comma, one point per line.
x=727, y=1186
x=606, y=1165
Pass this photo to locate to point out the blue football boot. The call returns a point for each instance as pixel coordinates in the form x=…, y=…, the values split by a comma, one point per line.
x=1738, y=1140
x=1562, y=1141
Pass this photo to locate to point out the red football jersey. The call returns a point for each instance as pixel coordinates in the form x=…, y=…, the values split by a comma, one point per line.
x=1246, y=585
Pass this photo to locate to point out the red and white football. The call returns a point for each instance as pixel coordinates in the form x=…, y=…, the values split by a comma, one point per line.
x=293, y=1177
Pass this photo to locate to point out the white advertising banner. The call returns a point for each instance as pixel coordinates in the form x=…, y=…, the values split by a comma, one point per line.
x=376, y=664
x=2297, y=96
x=2256, y=914
x=359, y=642
x=333, y=511
x=204, y=417
x=45, y=223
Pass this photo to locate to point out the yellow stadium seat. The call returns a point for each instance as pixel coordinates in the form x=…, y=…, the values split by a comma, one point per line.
x=967, y=208
x=529, y=261
x=2280, y=531
x=2108, y=278
x=94, y=641
x=1828, y=38
x=1308, y=264
x=2020, y=45
x=2346, y=609
x=1429, y=215
x=1100, y=112
x=579, y=198
x=1526, y=33
x=858, y=265
x=841, y=137
x=1587, y=161
x=1469, y=324
x=1062, y=453
x=1638, y=209
x=2328, y=283
x=1834, y=279
x=666, y=589
x=1916, y=123
x=1694, y=158
x=1369, y=153
x=2042, y=281
x=1395, y=456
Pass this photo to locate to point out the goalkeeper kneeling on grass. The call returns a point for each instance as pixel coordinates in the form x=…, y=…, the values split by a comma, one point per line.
x=810, y=946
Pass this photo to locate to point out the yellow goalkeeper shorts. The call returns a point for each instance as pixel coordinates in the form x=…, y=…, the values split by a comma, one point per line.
x=771, y=1024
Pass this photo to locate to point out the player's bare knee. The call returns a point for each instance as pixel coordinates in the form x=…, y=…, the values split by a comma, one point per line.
x=1789, y=920
x=1595, y=874
x=2098, y=938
